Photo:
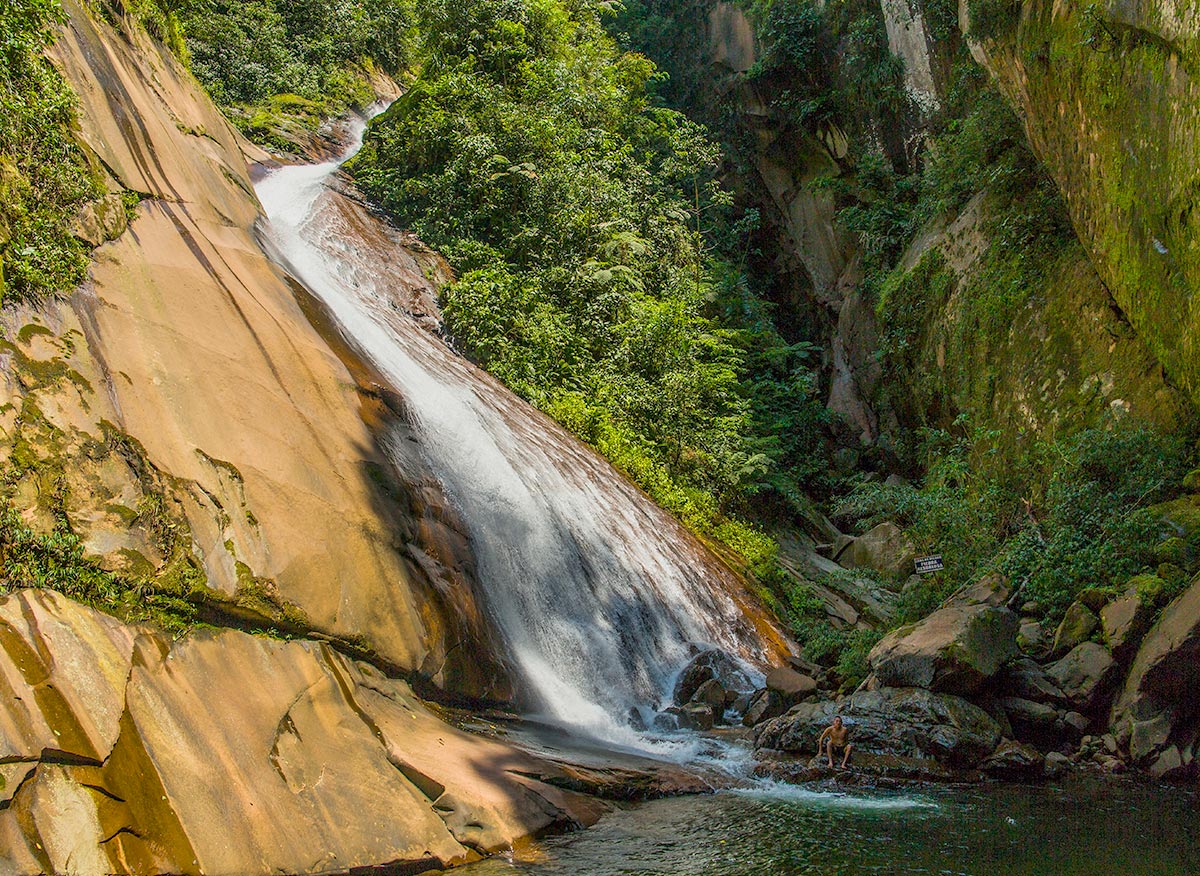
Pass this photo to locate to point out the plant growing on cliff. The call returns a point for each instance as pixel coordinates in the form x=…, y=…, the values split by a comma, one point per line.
x=275, y=65
x=45, y=179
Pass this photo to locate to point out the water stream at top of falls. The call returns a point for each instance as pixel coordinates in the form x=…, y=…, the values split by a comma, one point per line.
x=599, y=596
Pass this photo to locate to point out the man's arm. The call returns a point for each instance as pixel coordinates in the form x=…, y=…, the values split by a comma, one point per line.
x=828, y=731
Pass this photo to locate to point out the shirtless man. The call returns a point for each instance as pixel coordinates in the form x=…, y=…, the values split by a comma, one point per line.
x=837, y=734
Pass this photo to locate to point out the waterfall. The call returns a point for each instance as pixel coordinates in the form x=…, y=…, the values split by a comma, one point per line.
x=599, y=595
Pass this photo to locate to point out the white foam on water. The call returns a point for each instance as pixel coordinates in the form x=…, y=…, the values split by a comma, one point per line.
x=599, y=595
x=782, y=792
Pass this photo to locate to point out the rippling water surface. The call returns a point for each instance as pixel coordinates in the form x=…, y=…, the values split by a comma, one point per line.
x=1090, y=828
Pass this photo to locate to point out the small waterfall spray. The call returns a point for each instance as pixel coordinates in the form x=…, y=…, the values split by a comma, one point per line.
x=599, y=595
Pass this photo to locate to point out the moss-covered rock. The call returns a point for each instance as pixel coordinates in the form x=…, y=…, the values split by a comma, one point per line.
x=1111, y=103
x=1076, y=627
x=1043, y=357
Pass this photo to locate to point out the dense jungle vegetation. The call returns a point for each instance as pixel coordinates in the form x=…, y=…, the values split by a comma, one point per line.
x=1057, y=515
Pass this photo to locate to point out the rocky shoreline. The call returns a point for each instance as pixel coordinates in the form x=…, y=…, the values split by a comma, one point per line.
x=975, y=690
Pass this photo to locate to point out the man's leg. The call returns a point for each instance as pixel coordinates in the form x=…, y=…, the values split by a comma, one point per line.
x=829, y=750
x=846, y=757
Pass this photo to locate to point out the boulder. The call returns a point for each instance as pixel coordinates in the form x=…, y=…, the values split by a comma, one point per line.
x=992, y=589
x=636, y=719
x=665, y=722
x=1125, y=622
x=804, y=667
x=791, y=686
x=954, y=650
x=1056, y=764
x=708, y=665
x=904, y=722
x=1158, y=704
x=1172, y=764
x=710, y=694
x=697, y=716
x=1075, y=724
x=1014, y=760
x=1094, y=598
x=884, y=548
x=1077, y=625
x=1085, y=675
x=1150, y=736
x=765, y=705
x=1026, y=679
x=1031, y=638
x=993, y=707
x=1031, y=722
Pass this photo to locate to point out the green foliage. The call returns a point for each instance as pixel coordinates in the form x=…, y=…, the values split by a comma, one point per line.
x=1090, y=526
x=825, y=63
x=993, y=19
x=158, y=17
x=55, y=561
x=580, y=219
x=272, y=63
x=44, y=177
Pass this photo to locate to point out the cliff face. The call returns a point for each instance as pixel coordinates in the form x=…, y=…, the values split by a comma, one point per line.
x=1110, y=99
x=1116, y=128
x=187, y=381
x=225, y=753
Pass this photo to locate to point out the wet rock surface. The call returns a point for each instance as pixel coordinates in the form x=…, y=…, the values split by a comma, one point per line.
x=711, y=665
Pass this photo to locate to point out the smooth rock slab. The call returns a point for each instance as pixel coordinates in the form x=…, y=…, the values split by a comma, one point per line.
x=224, y=753
x=63, y=674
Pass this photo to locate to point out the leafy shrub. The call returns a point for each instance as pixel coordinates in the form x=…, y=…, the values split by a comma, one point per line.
x=45, y=179
x=253, y=55
x=1090, y=527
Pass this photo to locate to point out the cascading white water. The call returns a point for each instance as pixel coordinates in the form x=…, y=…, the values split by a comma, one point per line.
x=599, y=596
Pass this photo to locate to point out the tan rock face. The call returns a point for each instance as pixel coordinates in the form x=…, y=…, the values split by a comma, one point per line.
x=191, y=342
x=63, y=683
x=225, y=753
